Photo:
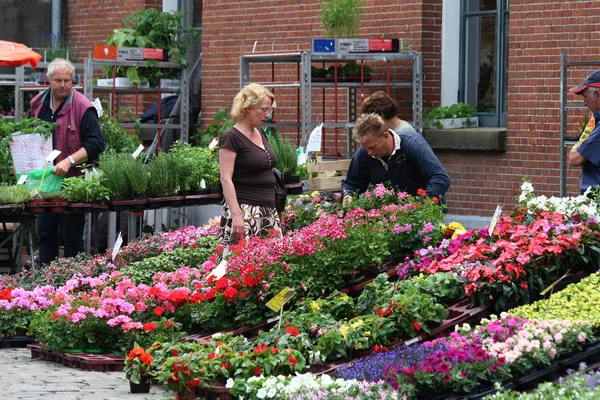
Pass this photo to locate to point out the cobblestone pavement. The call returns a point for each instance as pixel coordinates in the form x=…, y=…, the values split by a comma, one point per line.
x=23, y=377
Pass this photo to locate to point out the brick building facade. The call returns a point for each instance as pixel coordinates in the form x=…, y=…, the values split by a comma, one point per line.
x=538, y=32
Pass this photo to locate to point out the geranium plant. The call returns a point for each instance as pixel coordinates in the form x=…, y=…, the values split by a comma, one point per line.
x=138, y=365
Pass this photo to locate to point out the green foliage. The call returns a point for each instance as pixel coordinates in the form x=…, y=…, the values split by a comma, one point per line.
x=142, y=271
x=115, y=174
x=285, y=151
x=215, y=129
x=341, y=18
x=14, y=194
x=26, y=125
x=354, y=69
x=153, y=29
x=163, y=178
x=115, y=135
x=8, y=128
x=197, y=164
x=88, y=188
x=458, y=110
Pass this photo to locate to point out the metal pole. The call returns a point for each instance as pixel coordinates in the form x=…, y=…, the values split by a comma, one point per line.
x=56, y=23
x=563, y=123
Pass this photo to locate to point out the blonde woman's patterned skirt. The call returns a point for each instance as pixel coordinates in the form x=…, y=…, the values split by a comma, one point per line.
x=259, y=221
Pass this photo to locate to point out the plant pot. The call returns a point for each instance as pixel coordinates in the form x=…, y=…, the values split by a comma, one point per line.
x=356, y=78
x=142, y=387
x=186, y=395
x=93, y=351
x=72, y=351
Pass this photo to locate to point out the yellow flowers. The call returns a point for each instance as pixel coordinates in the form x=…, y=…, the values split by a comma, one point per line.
x=344, y=331
x=356, y=323
x=314, y=306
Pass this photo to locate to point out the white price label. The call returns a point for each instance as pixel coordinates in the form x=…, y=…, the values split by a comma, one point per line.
x=213, y=144
x=202, y=184
x=138, y=151
x=117, y=246
x=314, y=140
x=476, y=311
x=412, y=341
x=22, y=179
x=220, y=270
x=50, y=157
x=98, y=106
x=494, y=220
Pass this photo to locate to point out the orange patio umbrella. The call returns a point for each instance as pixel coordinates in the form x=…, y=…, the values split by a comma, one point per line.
x=14, y=54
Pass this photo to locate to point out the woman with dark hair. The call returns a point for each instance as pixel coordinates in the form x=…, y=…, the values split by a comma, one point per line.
x=385, y=106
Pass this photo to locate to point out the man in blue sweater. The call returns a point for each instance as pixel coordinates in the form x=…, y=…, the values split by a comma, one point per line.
x=403, y=158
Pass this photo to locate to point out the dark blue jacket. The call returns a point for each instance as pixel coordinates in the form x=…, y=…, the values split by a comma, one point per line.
x=414, y=166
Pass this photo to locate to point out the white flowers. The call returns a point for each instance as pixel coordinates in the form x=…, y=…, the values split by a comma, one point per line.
x=568, y=206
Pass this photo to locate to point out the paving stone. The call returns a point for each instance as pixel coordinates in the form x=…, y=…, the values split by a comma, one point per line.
x=24, y=378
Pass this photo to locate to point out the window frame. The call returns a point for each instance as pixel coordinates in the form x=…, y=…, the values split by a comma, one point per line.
x=469, y=61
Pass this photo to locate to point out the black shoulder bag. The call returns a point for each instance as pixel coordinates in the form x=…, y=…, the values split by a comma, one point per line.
x=280, y=191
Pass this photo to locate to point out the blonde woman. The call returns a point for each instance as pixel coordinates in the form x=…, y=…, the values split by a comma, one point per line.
x=246, y=160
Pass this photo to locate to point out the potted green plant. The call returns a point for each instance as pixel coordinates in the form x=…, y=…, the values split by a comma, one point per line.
x=163, y=180
x=138, y=370
x=341, y=18
x=137, y=175
x=88, y=188
x=318, y=74
x=458, y=115
x=353, y=72
x=115, y=174
x=219, y=124
x=287, y=159
x=153, y=29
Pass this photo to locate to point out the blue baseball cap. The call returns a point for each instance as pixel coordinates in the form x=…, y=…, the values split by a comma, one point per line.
x=592, y=80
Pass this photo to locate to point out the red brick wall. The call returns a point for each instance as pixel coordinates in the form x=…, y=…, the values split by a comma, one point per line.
x=538, y=32
x=231, y=29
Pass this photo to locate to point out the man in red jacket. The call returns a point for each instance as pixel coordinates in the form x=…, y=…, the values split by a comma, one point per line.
x=78, y=137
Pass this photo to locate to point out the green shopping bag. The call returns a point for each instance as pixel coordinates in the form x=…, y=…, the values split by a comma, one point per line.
x=49, y=181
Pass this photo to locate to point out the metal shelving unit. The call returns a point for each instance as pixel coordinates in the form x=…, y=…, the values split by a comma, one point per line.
x=305, y=85
x=89, y=89
x=565, y=140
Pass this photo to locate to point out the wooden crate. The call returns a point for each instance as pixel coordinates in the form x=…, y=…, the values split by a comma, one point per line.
x=328, y=174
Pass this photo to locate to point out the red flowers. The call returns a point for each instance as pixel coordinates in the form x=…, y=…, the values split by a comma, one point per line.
x=421, y=192
x=230, y=293
x=169, y=324
x=292, y=331
x=149, y=326
x=158, y=311
x=257, y=371
x=292, y=360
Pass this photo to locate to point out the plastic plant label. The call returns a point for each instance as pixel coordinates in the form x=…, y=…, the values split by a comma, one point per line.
x=277, y=302
x=22, y=179
x=213, y=144
x=314, y=140
x=138, y=151
x=274, y=319
x=50, y=157
x=220, y=270
x=412, y=341
x=494, y=220
x=476, y=311
x=203, y=184
x=117, y=246
x=98, y=107
x=35, y=194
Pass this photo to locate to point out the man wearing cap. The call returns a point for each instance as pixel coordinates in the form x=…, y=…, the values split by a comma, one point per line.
x=587, y=154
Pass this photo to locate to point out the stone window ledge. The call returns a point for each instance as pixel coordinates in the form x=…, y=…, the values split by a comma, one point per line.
x=478, y=139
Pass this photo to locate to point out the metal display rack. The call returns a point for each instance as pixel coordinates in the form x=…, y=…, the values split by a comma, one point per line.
x=183, y=125
x=305, y=85
x=565, y=139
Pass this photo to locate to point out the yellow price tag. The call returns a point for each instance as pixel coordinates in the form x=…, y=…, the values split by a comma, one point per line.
x=277, y=302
